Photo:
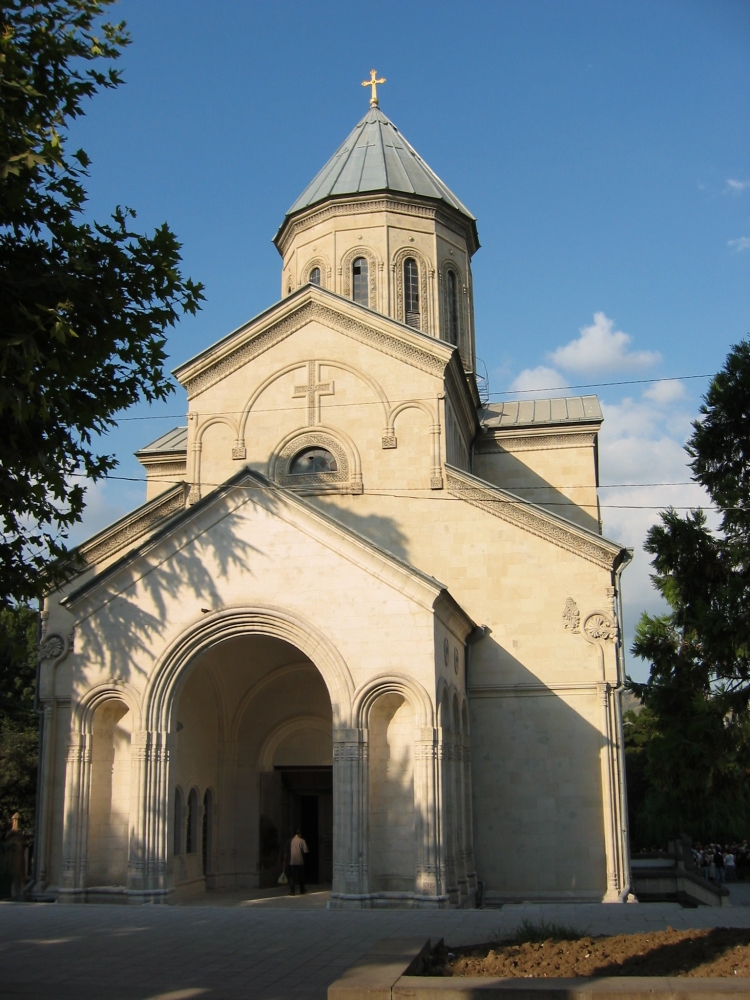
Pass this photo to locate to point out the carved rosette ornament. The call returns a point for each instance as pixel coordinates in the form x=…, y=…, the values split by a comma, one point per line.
x=600, y=627
x=571, y=616
x=54, y=646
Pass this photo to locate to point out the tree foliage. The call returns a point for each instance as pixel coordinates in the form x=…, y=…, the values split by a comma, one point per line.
x=84, y=305
x=690, y=746
x=18, y=721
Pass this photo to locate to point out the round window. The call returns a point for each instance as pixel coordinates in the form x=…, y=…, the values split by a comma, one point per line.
x=312, y=460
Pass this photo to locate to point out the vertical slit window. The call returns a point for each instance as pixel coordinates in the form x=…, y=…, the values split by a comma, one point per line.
x=314, y=278
x=191, y=845
x=360, y=291
x=411, y=292
x=177, y=822
x=452, y=309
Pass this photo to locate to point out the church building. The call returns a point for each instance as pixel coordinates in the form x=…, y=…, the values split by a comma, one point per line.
x=359, y=600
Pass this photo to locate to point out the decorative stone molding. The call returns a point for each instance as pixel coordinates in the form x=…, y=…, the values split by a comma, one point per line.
x=341, y=481
x=194, y=495
x=493, y=440
x=239, y=453
x=436, y=482
x=389, y=439
x=372, y=271
x=383, y=204
x=531, y=518
x=275, y=333
x=134, y=526
x=571, y=616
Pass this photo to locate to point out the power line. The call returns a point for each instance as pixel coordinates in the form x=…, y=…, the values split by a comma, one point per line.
x=597, y=385
x=515, y=502
x=370, y=402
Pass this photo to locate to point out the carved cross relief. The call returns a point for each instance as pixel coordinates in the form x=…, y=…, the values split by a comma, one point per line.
x=313, y=391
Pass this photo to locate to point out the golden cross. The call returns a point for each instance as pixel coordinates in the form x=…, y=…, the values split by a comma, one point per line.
x=373, y=82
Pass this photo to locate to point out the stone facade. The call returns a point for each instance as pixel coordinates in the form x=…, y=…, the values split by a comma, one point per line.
x=356, y=601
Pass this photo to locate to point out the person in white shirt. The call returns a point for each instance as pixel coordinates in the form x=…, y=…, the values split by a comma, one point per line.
x=297, y=851
x=730, y=867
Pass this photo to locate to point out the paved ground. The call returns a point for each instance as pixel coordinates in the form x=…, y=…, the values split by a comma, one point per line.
x=270, y=949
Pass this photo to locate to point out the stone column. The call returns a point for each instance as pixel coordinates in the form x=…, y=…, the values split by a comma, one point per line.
x=75, y=822
x=351, y=882
x=147, y=861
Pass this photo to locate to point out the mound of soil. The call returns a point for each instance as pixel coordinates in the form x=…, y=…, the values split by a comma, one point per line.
x=720, y=951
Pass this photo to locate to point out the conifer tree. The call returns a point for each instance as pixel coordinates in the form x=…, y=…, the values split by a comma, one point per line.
x=689, y=748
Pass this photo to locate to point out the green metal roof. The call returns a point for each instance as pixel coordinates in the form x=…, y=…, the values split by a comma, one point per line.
x=376, y=157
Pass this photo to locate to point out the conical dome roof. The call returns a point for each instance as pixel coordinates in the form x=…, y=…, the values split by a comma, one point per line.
x=376, y=157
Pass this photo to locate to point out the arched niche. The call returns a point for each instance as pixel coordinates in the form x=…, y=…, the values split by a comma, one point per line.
x=392, y=848
x=110, y=789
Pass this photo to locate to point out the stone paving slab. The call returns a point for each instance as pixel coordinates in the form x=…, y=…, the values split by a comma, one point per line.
x=227, y=953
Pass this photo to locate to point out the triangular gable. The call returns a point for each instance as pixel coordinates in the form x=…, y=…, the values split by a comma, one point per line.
x=340, y=314
x=252, y=487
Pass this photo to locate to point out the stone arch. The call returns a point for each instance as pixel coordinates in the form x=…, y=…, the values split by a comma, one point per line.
x=401, y=684
x=85, y=708
x=373, y=266
x=219, y=419
x=397, y=268
x=107, y=790
x=433, y=429
x=325, y=271
x=240, y=450
x=274, y=739
x=236, y=622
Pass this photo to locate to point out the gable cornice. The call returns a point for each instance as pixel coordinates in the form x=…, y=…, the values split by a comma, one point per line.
x=134, y=527
x=291, y=314
x=530, y=517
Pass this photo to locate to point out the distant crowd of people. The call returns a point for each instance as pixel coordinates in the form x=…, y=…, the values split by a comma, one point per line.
x=722, y=864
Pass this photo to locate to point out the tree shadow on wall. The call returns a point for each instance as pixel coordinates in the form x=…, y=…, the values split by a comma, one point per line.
x=199, y=550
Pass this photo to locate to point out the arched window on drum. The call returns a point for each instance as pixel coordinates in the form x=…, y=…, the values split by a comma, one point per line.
x=451, y=307
x=314, y=277
x=411, y=293
x=360, y=276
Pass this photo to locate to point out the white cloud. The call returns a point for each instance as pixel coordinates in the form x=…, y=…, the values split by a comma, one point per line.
x=641, y=441
x=600, y=348
x=736, y=187
x=666, y=392
x=541, y=380
x=740, y=244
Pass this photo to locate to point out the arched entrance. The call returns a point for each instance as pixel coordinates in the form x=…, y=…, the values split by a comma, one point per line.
x=252, y=755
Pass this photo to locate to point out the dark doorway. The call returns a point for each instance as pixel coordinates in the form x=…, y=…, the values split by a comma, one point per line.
x=295, y=798
x=308, y=826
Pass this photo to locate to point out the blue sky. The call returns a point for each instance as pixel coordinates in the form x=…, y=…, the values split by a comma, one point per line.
x=603, y=147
